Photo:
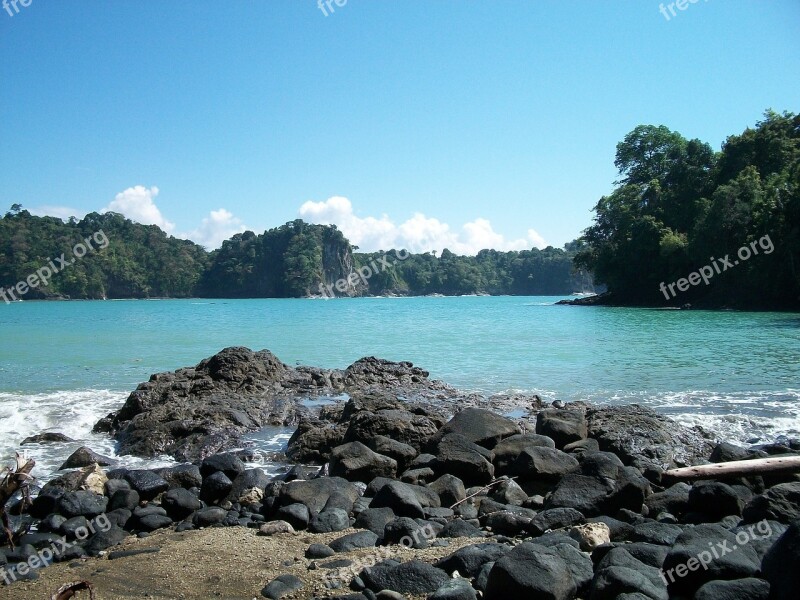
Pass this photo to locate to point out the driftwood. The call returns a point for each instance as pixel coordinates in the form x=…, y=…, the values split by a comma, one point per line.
x=739, y=468
x=68, y=590
x=483, y=489
x=14, y=480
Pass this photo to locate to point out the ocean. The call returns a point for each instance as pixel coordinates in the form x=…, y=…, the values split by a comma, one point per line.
x=63, y=365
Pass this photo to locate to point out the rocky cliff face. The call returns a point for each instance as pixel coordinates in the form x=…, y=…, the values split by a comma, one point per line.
x=337, y=265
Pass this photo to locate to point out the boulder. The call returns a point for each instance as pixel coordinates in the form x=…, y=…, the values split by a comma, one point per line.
x=479, y=426
x=455, y=589
x=449, y=488
x=506, y=452
x=315, y=493
x=404, y=454
x=455, y=455
x=413, y=577
x=404, y=499
x=469, y=560
x=82, y=504
x=541, y=463
x=353, y=541
x=374, y=519
x=147, y=483
x=281, y=586
x=48, y=437
x=227, y=462
x=215, y=487
x=297, y=515
x=563, y=426
x=356, y=462
x=740, y=589
x=333, y=519
x=779, y=503
x=179, y=503
x=781, y=565
x=715, y=500
x=84, y=457
x=530, y=571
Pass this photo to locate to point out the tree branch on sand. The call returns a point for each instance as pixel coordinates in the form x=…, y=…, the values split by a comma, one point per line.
x=15, y=479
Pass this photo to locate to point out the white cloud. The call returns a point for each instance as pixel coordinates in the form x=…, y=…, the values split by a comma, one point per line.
x=417, y=234
x=216, y=228
x=137, y=204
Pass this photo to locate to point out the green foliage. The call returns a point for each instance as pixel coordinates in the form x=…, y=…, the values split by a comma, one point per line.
x=678, y=204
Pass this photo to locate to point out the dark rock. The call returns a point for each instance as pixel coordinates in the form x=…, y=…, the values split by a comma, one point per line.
x=127, y=499
x=726, y=452
x=530, y=571
x=735, y=561
x=449, y=488
x=153, y=522
x=374, y=519
x=779, y=503
x=408, y=532
x=83, y=457
x=128, y=553
x=46, y=438
x=542, y=463
x=741, y=589
x=509, y=492
x=281, y=586
x=404, y=499
x=582, y=446
x=82, y=504
x=555, y=518
x=103, y=540
x=215, y=487
x=70, y=527
x=119, y=517
x=313, y=441
x=418, y=476
x=455, y=589
x=227, y=462
x=414, y=577
x=297, y=515
x=334, y=519
x=781, y=565
x=356, y=462
x=715, y=499
x=179, y=503
x=507, y=523
x=563, y=426
x=653, y=532
x=762, y=535
x=206, y=517
x=248, y=487
x=112, y=486
x=353, y=541
x=51, y=523
x=316, y=493
x=460, y=528
x=673, y=500
x=317, y=551
x=185, y=476
x=148, y=484
x=588, y=495
x=469, y=559
x=620, y=531
x=402, y=453
x=479, y=426
x=456, y=455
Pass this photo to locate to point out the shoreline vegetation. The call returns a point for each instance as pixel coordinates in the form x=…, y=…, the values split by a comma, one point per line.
x=409, y=486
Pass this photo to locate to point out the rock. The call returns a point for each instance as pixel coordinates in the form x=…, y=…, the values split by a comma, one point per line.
x=334, y=519
x=374, y=519
x=779, y=503
x=46, y=438
x=530, y=571
x=413, y=577
x=148, y=484
x=469, y=560
x=295, y=514
x=509, y=492
x=555, y=518
x=408, y=532
x=353, y=541
x=479, y=426
x=456, y=455
x=651, y=555
x=563, y=426
x=449, y=488
x=579, y=565
x=316, y=493
x=662, y=534
x=227, y=462
x=127, y=499
x=281, y=586
x=102, y=540
x=215, y=487
x=695, y=544
x=84, y=457
x=402, y=453
x=641, y=437
x=507, y=451
x=620, y=531
x=356, y=462
x=762, y=535
x=404, y=499
x=459, y=528
x=673, y=500
x=180, y=503
x=153, y=522
x=715, y=500
x=781, y=565
x=418, y=476
x=276, y=527
x=741, y=589
x=206, y=517
x=455, y=589
x=82, y=504
x=541, y=463
x=582, y=446
x=726, y=452
x=507, y=523
x=313, y=440
x=248, y=487
x=591, y=535
x=623, y=582
x=185, y=476
x=317, y=551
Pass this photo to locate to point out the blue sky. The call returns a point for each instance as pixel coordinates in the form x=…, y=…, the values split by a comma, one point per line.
x=420, y=124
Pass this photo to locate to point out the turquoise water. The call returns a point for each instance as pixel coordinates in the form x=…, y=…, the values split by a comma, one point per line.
x=65, y=364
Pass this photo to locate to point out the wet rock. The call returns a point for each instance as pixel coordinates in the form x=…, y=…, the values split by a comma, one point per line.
x=215, y=487
x=226, y=462
x=148, y=484
x=84, y=457
x=82, y=504
x=185, y=476
x=46, y=438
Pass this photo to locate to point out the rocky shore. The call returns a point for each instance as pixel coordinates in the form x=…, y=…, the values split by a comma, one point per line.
x=408, y=489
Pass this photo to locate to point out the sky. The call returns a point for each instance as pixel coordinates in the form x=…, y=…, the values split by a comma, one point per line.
x=423, y=125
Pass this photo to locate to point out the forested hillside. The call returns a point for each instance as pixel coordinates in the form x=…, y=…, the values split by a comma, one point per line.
x=722, y=227
x=294, y=260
